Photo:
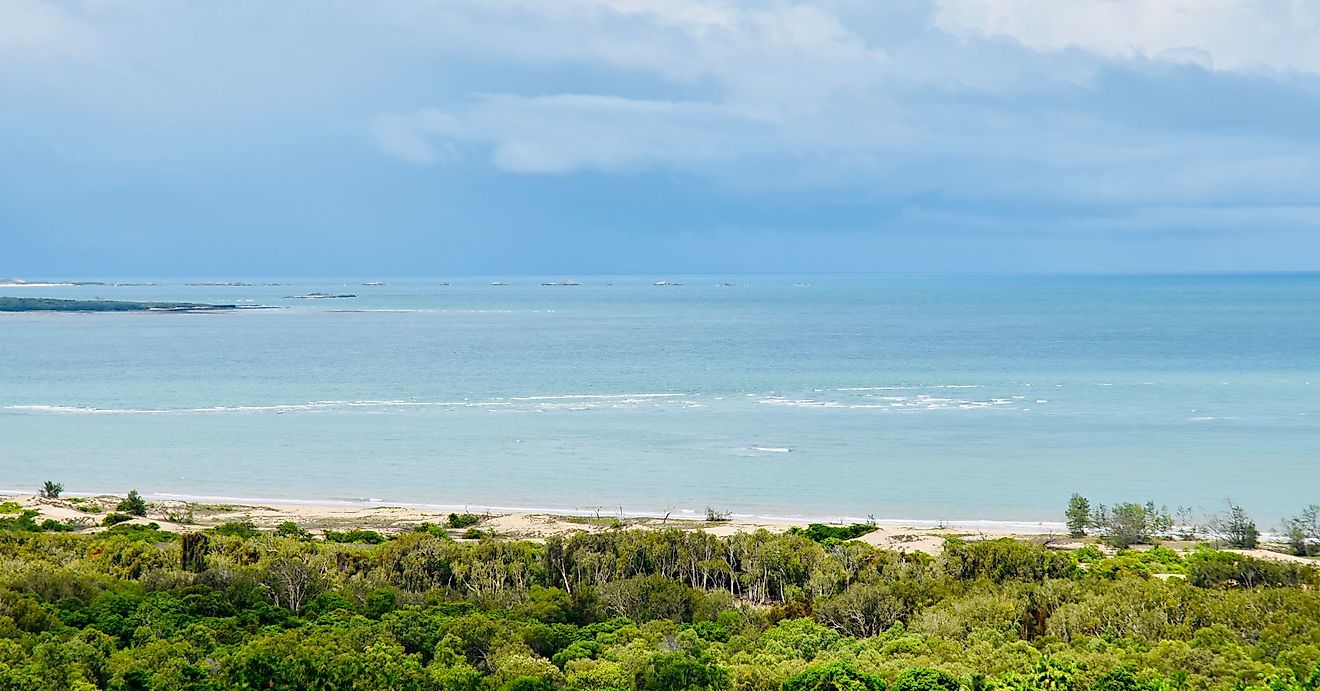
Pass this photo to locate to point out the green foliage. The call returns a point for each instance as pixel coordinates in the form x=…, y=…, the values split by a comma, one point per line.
x=133, y=504
x=51, y=490
x=459, y=521
x=681, y=672
x=240, y=529
x=663, y=609
x=355, y=537
x=925, y=680
x=1006, y=559
x=1078, y=515
x=1130, y=523
x=293, y=530
x=1207, y=569
x=115, y=518
x=821, y=532
x=834, y=677
x=1235, y=528
x=1303, y=532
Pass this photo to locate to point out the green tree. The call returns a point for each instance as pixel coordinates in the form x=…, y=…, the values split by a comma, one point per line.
x=838, y=676
x=1303, y=532
x=1235, y=528
x=1130, y=523
x=681, y=672
x=921, y=679
x=51, y=490
x=1078, y=515
x=133, y=504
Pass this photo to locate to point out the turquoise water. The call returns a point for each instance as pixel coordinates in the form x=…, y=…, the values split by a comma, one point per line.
x=823, y=396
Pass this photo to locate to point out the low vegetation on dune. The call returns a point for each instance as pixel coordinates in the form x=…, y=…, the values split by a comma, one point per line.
x=237, y=607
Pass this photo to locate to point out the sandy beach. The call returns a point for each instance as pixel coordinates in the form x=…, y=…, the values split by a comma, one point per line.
x=184, y=516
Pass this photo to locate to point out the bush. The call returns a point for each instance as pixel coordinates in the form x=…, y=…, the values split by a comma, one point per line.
x=716, y=516
x=240, y=529
x=355, y=537
x=51, y=490
x=1130, y=523
x=51, y=525
x=1303, y=532
x=820, y=532
x=115, y=518
x=293, y=530
x=133, y=504
x=431, y=529
x=463, y=520
x=1208, y=569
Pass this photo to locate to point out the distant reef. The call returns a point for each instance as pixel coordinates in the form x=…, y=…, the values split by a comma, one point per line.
x=9, y=304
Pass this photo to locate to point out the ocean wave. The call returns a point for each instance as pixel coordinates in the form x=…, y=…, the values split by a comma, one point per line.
x=525, y=404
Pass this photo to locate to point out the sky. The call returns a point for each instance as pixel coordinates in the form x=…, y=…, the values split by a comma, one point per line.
x=572, y=137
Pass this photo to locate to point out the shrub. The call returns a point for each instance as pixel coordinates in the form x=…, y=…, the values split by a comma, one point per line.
x=1130, y=523
x=1303, y=532
x=51, y=490
x=716, y=516
x=240, y=529
x=1208, y=569
x=133, y=504
x=51, y=525
x=115, y=518
x=293, y=530
x=820, y=532
x=463, y=520
x=356, y=537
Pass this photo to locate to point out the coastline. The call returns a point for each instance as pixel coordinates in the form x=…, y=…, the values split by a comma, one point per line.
x=174, y=514
x=316, y=507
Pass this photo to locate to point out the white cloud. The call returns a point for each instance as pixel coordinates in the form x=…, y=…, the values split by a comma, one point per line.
x=1234, y=34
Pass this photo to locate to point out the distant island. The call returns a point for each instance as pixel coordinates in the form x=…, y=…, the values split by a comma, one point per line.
x=11, y=304
x=22, y=283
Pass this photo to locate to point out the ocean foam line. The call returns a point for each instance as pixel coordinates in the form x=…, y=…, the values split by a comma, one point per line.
x=1022, y=526
x=575, y=396
x=566, y=402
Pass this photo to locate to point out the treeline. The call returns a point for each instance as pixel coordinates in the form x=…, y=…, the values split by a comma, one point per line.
x=1131, y=523
x=236, y=608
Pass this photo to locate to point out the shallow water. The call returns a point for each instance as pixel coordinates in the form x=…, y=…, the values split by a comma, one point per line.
x=823, y=396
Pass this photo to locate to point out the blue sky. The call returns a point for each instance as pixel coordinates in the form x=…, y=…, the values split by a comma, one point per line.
x=439, y=137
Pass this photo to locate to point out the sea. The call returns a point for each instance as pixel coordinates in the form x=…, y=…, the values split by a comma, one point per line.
x=936, y=399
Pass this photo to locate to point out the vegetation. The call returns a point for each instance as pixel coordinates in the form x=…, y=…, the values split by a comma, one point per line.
x=238, y=608
x=821, y=532
x=1235, y=528
x=463, y=520
x=50, y=490
x=133, y=504
x=11, y=304
x=1078, y=515
x=1303, y=532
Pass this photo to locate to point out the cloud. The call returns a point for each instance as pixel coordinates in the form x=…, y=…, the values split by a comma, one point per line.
x=1277, y=35
x=895, y=102
x=807, y=116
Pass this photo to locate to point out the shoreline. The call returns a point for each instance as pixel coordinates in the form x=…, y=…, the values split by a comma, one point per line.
x=180, y=516
x=176, y=515
x=338, y=505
